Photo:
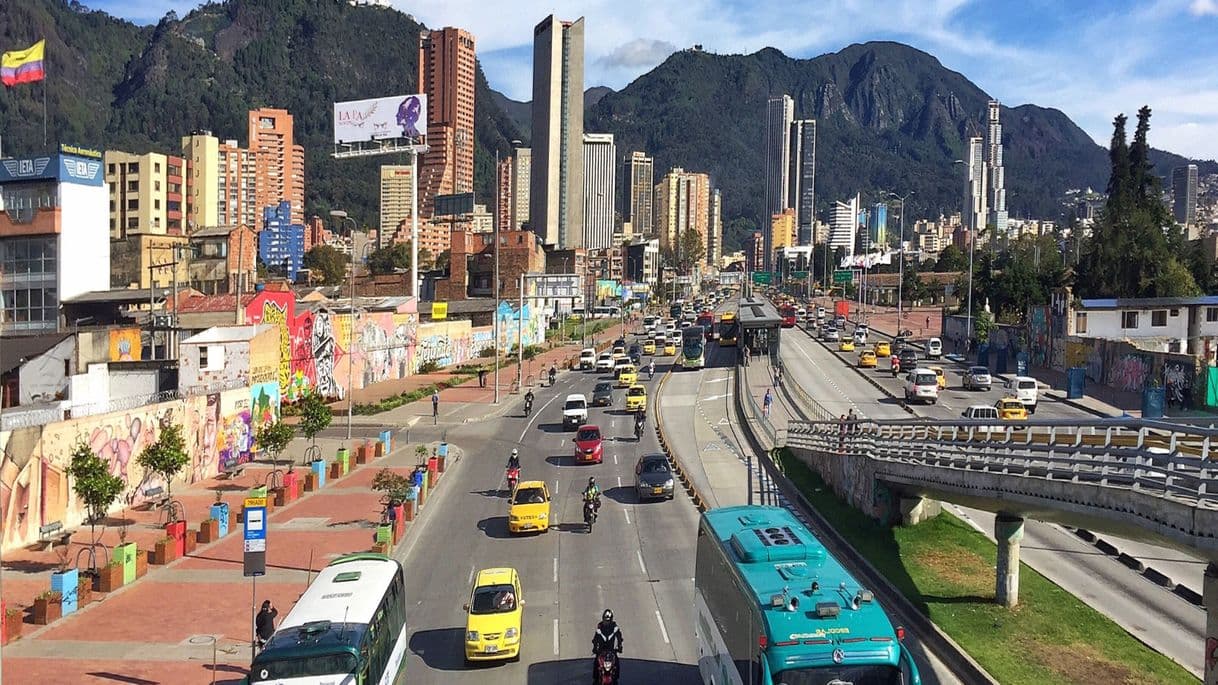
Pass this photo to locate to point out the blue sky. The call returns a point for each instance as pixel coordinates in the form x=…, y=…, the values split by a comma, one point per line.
x=1089, y=58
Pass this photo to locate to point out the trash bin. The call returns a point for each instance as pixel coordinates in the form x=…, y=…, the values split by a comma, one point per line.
x=1152, y=403
x=1076, y=381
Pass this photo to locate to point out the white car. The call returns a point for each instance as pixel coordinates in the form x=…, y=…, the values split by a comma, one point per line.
x=801, y=313
x=922, y=385
x=1026, y=390
x=831, y=335
x=934, y=348
x=587, y=358
x=574, y=411
x=604, y=362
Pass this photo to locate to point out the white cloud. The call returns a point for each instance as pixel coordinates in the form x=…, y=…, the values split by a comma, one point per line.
x=640, y=52
x=1203, y=8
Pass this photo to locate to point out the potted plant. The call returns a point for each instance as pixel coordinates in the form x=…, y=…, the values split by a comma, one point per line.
x=191, y=541
x=274, y=437
x=48, y=607
x=110, y=576
x=84, y=589
x=96, y=487
x=164, y=551
x=209, y=530
x=12, y=624
x=315, y=416
x=167, y=456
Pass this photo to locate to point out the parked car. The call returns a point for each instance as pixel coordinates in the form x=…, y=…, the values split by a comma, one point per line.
x=653, y=477
x=977, y=378
x=922, y=385
x=602, y=394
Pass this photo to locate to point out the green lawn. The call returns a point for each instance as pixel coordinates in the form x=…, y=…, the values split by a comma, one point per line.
x=946, y=568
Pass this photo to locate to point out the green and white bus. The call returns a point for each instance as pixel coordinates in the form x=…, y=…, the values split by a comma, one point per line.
x=348, y=628
x=693, y=348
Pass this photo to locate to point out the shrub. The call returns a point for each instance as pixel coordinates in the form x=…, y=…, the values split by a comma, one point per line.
x=487, y=352
x=428, y=367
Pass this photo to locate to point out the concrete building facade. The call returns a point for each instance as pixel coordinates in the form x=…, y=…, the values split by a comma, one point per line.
x=522, y=166
x=395, y=202
x=845, y=225
x=977, y=209
x=146, y=193
x=280, y=167
x=447, y=63
x=714, y=238
x=639, y=195
x=995, y=172
x=1184, y=193
x=556, y=181
x=780, y=112
x=281, y=242
x=600, y=189
x=802, y=178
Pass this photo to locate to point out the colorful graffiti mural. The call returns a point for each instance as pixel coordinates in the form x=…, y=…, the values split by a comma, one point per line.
x=1038, y=337
x=1178, y=375
x=1130, y=371
x=125, y=345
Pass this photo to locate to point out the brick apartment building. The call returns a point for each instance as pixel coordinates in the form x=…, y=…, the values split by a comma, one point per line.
x=472, y=264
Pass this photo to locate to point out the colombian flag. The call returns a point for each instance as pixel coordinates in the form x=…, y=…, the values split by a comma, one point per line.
x=23, y=66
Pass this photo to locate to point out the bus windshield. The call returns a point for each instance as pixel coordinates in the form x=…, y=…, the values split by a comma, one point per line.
x=338, y=663
x=841, y=675
x=691, y=340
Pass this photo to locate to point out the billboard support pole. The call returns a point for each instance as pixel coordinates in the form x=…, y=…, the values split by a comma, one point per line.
x=414, y=225
x=520, y=338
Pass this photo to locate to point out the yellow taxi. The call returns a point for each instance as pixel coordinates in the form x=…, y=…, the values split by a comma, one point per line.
x=1011, y=409
x=940, y=377
x=670, y=346
x=529, y=511
x=649, y=347
x=883, y=349
x=867, y=359
x=846, y=345
x=493, y=616
x=636, y=398
x=627, y=376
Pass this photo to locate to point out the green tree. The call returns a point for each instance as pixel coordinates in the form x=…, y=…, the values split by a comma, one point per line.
x=396, y=258
x=327, y=264
x=912, y=287
x=93, y=484
x=443, y=260
x=951, y=259
x=274, y=437
x=167, y=456
x=315, y=416
x=983, y=323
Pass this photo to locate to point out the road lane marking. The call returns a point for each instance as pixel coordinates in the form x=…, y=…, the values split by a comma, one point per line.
x=639, y=553
x=555, y=637
x=471, y=576
x=533, y=417
x=619, y=481
x=627, y=513
x=615, y=460
x=663, y=630
x=555, y=569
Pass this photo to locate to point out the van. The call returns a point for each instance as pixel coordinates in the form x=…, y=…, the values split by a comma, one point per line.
x=922, y=385
x=934, y=348
x=1025, y=389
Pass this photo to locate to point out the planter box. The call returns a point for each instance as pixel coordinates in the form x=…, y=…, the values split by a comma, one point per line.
x=109, y=578
x=281, y=496
x=12, y=626
x=141, y=563
x=209, y=531
x=164, y=552
x=380, y=548
x=408, y=510
x=192, y=541
x=335, y=470
x=310, y=482
x=46, y=611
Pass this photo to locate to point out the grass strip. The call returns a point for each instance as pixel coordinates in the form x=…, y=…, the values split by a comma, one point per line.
x=395, y=401
x=946, y=568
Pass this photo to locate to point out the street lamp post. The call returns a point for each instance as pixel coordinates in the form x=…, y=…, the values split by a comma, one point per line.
x=342, y=216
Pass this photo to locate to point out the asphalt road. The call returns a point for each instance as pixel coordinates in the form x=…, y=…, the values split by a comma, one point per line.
x=637, y=561
x=1150, y=612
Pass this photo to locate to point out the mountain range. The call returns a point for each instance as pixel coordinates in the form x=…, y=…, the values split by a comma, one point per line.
x=890, y=118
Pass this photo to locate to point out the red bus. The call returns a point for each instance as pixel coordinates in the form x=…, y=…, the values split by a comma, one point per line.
x=787, y=312
x=707, y=321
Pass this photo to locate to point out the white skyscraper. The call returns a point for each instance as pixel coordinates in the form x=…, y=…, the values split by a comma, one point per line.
x=997, y=215
x=845, y=225
x=975, y=188
x=600, y=155
x=802, y=194
x=556, y=186
x=780, y=112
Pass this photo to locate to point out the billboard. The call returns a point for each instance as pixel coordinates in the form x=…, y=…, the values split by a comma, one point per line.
x=400, y=116
x=557, y=285
x=454, y=205
x=606, y=289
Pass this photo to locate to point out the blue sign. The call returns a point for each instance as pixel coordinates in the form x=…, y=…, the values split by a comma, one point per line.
x=254, y=534
x=63, y=168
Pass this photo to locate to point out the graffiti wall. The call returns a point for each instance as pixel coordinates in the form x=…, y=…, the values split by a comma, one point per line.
x=34, y=488
x=443, y=343
x=1130, y=371
x=1178, y=377
x=125, y=345
x=1121, y=366
x=1039, y=346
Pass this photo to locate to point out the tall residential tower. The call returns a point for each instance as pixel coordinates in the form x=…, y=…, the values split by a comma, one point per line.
x=802, y=178
x=556, y=184
x=280, y=165
x=997, y=216
x=976, y=208
x=447, y=62
x=600, y=165
x=640, y=194
x=780, y=112
x=1184, y=193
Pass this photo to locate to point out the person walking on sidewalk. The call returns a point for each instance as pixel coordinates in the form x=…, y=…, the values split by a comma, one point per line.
x=766, y=402
x=482, y=377
x=264, y=623
x=435, y=405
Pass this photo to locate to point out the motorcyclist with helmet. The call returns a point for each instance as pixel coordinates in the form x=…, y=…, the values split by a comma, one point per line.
x=528, y=402
x=607, y=641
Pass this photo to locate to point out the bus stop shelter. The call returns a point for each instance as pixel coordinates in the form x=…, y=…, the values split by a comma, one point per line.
x=760, y=325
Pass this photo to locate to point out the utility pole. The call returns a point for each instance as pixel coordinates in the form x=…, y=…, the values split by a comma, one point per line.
x=495, y=310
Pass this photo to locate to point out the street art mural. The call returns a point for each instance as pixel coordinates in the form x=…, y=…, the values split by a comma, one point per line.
x=125, y=345
x=235, y=436
x=324, y=352
x=443, y=343
x=276, y=309
x=1178, y=375
x=1038, y=337
x=1077, y=354
x=264, y=404
x=1130, y=371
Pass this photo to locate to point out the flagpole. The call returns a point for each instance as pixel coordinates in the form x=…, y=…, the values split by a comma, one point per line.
x=44, y=102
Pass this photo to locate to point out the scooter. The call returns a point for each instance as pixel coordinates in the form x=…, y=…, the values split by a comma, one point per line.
x=606, y=667
x=513, y=477
x=590, y=508
x=896, y=367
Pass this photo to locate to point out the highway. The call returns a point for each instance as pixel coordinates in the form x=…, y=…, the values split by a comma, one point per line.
x=637, y=561
x=1150, y=612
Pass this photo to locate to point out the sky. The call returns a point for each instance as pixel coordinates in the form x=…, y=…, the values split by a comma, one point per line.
x=1092, y=59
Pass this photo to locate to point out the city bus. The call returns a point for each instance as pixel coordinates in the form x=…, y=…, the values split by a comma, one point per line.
x=693, y=348
x=729, y=329
x=787, y=312
x=349, y=626
x=772, y=607
x=707, y=321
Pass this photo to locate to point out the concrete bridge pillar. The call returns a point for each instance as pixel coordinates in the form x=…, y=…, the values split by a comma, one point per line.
x=915, y=510
x=1209, y=596
x=1008, y=531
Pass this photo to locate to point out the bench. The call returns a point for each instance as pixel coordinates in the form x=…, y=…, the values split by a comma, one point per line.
x=231, y=471
x=156, y=497
x=53, y=534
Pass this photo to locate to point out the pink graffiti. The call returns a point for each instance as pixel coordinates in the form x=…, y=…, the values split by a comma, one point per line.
x=1129, y=372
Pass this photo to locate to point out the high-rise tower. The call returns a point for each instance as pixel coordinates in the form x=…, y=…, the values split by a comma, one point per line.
x=600, y=166
x=975, y=187
x=279, y=162
x=997, y=215
x=556, y=184
x=447, y=61
x=1184, y=193
x=780, y=112
x=640, y=194
x=802, y=178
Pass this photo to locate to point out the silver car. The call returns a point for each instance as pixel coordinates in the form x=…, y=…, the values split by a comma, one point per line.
x=977, y=378
x=831, y=335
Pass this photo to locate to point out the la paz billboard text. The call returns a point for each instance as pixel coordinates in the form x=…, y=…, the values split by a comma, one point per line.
x=398, y=116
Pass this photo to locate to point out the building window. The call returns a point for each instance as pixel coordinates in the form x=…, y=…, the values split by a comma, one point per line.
x=1129, y=319
x=133, y=168
x=156, y=204
x=202, y=357
x=133, y=205
x=156, y=167
x=1158, y=318
x=1080, y=323
x=1211, y=314
x=133, y=186
x=156, y=185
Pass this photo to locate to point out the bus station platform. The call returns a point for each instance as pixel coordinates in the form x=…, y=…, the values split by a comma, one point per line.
x=760, y=328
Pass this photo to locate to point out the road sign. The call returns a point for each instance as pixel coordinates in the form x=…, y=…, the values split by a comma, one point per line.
x=763, y=277
x=557, y=285
x=799, y=275
x=843, y=276
x=254, y=535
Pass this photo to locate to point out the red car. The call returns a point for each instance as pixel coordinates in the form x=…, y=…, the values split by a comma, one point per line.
x=589, y=447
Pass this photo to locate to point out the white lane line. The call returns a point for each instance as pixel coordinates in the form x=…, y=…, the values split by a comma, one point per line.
x=532, y=418
x=555, y=490
x=555, y=637
x=562, y=442
x=639, y=553
x=615, y=460
x=627, y=513
x=663, y=630
x=555, y=569
x=619, y=481
x=471, y=576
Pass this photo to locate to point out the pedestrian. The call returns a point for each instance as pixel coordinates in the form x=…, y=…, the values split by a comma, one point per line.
x=766, y=402
x=264, y=623
x=435, y=405
x=481, y=377
x=928, y=323
x=852, y=418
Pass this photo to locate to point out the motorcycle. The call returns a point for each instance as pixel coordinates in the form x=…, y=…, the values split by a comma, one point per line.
x=606, y=667
x=553, y=377
x=896, y=367
x=638, y=428
x=513, y=477
x=590, y=507
x=528, y=407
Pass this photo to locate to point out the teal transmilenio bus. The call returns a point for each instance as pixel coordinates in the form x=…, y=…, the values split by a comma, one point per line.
x=693, y=347
x=773, y=607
